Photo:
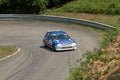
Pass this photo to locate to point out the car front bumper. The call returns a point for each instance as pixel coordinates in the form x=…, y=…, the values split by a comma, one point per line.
x=60, y=48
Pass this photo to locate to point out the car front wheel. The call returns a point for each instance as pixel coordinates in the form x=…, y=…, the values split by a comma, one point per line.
x=54, y=49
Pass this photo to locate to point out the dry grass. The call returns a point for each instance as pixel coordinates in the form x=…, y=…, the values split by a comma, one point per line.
x=7, y=50
x=108, y=67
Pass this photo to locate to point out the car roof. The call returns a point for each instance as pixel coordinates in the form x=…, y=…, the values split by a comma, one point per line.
x=57, y=32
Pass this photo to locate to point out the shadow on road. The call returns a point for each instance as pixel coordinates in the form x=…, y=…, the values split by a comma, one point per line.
x=49, y=49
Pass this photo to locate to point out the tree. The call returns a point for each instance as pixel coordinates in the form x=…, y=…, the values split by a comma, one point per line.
x=22, y=6
x=28, y=6
x=54, y=3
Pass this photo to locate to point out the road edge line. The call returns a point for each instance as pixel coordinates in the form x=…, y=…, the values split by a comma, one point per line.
x=18, y=50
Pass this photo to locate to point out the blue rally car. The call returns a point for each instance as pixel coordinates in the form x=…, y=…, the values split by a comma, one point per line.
x=58, y=40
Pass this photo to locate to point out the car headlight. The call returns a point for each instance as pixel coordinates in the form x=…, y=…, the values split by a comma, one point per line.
x=73, y=44
x=59, y=44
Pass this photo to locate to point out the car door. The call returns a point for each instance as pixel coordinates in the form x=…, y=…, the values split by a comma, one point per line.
x=48, y=39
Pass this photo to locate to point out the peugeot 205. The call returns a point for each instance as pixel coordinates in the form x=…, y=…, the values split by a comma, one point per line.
x=59, y=40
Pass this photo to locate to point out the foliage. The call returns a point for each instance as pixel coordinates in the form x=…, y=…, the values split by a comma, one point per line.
x=56, y=3
x=28, y=6
x=111, y=7
x=80, y=6
x=22, y=6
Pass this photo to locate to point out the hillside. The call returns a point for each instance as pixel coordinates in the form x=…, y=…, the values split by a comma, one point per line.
x=111, y=7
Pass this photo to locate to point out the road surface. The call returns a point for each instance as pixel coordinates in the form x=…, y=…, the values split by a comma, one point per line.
x=34, y=62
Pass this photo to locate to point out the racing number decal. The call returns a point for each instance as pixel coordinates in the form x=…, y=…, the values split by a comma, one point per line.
x=50, y=42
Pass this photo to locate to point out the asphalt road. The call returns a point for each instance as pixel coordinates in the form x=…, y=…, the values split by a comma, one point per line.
x=34, y=62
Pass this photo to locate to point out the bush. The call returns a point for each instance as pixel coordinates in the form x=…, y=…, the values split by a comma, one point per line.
x=28, y=6
x=56, y=3
x=22, y=6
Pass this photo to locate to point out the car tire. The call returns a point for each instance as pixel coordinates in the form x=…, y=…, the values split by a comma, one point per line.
x=54, y=49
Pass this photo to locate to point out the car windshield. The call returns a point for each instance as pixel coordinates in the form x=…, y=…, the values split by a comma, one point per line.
x=61, y=36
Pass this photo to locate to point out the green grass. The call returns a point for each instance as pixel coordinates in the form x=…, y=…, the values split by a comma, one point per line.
x=7, y=50
x=92, y=6
x=113, y=20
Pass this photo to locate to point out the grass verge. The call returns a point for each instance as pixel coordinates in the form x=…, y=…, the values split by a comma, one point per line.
x=6, y=51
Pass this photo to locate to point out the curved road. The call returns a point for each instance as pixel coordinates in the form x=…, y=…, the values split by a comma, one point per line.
x=34, y=62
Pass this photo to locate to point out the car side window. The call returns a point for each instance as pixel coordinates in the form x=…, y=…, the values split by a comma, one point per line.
x=47, y=34
x=50, y=35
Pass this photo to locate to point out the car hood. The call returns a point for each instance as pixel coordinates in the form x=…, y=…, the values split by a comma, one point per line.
x=65, y=41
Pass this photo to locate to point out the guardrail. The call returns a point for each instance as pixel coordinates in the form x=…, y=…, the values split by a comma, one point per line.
x=57, y=19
